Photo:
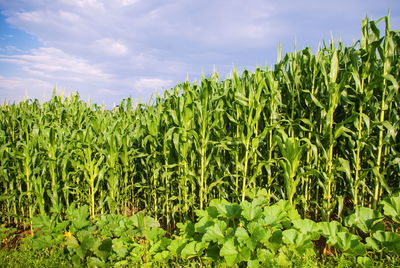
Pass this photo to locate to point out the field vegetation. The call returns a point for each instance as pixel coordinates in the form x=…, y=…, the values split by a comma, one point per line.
x=281, y=166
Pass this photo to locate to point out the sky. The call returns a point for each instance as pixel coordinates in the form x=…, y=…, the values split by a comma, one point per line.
x=108, y=50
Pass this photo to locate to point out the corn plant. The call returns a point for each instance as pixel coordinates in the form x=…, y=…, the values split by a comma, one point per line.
x=320, y=130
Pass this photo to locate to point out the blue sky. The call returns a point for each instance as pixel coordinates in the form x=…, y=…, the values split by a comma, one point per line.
x=112, y=49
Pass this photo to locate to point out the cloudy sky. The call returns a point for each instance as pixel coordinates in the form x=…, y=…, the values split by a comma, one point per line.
x=112, y=49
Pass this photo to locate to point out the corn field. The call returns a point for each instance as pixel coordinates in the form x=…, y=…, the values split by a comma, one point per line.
x=320, y=130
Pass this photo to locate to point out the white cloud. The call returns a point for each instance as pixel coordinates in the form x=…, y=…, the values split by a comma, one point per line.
x=127, y=2
x=110, y=47
x=30, y=17
x=85, y=3
x=19, y=88
x=151, y=83
x=48, y=62
x=69, y=16
x=114, y=47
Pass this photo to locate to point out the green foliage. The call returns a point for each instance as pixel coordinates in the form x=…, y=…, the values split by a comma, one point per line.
x=112, y=238
x=251, y=234
x=386, y=241
x=318, y=132
x=317, y=129
x=366, y=219
x=391, y=207
x=25, y=256
x=259, y=234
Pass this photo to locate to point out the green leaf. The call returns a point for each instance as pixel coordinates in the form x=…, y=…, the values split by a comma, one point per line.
x=78, y=217
x=154, y=234
x=297, y=241
x=215, y=232
x=350, y=244
x=76, y=260
x=373, y=243
x=316, y=101
x=253, y=263
x=265, y=256
x=233, y=211
x=189, y=250
x=212, y=211
x=203, y=224
x=71, y=242
x=86, y=239
x=330, y=230
x=176, y=246
x=257, y=231
x=250, y=211
x=162, y=256
x=222, y=207
x=229, y=252
x=43, y=241
x=345, y=167
x=213, y=251
x=366, y=219
x=388, y=240
x=119, y=247
x=241, y=234
x=365, y=261
x=106, y=245
x=392, y=79
x=241, y=99
x=244, y=254
x=308, y=227
x=95, y=262
x=391, y=207
x=186, y=229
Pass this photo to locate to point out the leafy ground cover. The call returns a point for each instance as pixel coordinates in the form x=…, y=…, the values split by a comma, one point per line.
x=225, y=234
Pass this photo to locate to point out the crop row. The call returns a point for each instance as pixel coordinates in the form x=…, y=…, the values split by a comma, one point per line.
x=318, y=130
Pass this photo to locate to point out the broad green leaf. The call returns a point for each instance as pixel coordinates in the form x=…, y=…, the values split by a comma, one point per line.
x=233, y=211
x=244, y=254
x=391, y=207
x=86, y=239
x=229, y=252
x=119, y=247
x=78, y=217
x=189, y=250
x=297, y=241
x=330, y=230
x=250, y=211
x=241, y=234
x=365, y=261
x=43, y=241
x=203, y=224
x=366, y=219
x=308, y=227
x=216, y=232
x=176, y=246
x=388, y=240
x=213, y=251
x=95, y=262
x=186, y=229
x=350, y=244
x=253, y=263
x=154, y=234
